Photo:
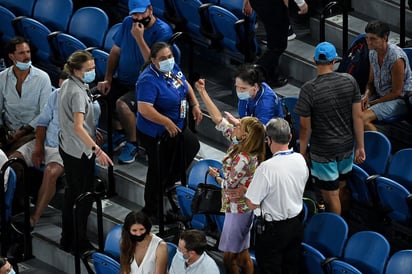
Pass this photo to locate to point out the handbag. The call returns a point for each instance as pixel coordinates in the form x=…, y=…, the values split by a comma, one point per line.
x=207, y=198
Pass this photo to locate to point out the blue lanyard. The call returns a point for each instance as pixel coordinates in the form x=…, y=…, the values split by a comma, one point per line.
x=252, y=113
x=282, y=153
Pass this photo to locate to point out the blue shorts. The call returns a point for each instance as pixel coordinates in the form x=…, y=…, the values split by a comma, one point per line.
x=390, y=109
x=327, y=175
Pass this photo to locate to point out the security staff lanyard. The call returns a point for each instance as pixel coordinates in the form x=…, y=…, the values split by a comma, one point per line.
x=252, y=113
x=173, y=82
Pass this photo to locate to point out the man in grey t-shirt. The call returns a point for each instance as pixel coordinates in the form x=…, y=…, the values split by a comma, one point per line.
x=331, y=117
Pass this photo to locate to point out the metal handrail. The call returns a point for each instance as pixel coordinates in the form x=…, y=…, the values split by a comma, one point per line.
x=345, y=25
x=28, y=252
x=95, y=197
x=402, y=23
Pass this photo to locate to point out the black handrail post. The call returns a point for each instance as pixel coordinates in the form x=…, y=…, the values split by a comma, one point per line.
x=79, y=199
x=28, y=252
x=345, y=27
x=402, y=34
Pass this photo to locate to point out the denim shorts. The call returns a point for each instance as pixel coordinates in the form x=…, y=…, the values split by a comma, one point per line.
x=390, y=109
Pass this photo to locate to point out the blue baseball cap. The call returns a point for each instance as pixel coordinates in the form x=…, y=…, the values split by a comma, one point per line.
x=325, y=52
x=138, y=6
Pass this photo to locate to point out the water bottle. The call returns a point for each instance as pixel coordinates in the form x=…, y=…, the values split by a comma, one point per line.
x=2, y=64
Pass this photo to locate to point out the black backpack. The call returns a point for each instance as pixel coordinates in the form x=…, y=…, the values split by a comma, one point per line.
x=356, y=61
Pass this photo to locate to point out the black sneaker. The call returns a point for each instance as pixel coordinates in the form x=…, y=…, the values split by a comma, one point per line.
x=291, y=33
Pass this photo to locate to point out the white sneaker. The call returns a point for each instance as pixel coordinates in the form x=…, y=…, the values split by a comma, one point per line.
x=291, y=33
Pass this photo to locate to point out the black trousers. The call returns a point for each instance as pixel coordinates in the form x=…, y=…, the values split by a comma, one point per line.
x=278, y=248
x=275, y=18
x=167, y=165
x=80, y=179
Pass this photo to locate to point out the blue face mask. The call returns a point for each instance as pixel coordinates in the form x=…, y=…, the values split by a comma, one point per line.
x=89, y=76
x=12, y=271
x=235, y=140
x=180, y=256
x=243, y=95
x=23, y=66
x=167, y=65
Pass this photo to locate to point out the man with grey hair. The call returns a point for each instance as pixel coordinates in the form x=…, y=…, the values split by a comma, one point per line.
x=276, y=195
x=330, y=113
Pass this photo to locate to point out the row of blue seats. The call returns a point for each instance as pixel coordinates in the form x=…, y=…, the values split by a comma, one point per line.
x=328, y=249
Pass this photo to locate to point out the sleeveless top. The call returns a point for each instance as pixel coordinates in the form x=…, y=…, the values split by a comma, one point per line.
x=148, y=264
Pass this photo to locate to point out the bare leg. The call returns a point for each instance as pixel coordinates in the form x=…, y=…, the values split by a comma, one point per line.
x=332, y=200
x=245, y=262
x=368, y=117
x=229, y=259
x=127, y=119
x=47, y=189
x=344, y=196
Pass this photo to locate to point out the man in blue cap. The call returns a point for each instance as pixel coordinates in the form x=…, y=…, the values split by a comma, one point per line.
x=131, y=49
x=331, y=118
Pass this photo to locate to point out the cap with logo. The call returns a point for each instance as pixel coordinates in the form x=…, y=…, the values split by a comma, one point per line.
x=325, y=52
x=138, y=6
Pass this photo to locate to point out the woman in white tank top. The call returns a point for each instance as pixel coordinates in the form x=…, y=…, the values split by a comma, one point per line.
x=141, y=251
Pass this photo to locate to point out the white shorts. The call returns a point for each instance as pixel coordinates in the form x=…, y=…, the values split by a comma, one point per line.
x=51, y=154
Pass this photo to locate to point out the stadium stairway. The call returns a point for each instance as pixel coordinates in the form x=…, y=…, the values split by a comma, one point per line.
x=297, y=63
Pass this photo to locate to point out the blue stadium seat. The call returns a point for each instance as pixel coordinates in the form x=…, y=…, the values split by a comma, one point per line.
x=394, y=199
x=399, y=168
x=184, y=197
x=9, y=194
x=19, y=7
x=108, y=40
x=63, y=45
x=290, y=102
x=89, y=25
x=341, y=267
x=400, y=262
x=6, y=28
x=368, y=251
x=378, y=151
x=198, y=171
x=408, y=52
x=112, y=243
x=312, y=259
x=218, y=219
x=100, y=60
x=103, y=264
x=327, y=232
x=361, y=187
x=55, y=14
x=171, y=251
x=37, y=33
x=233, y=34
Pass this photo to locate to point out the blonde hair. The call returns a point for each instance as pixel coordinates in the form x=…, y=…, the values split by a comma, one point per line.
x=76, y=61
x=254, y=143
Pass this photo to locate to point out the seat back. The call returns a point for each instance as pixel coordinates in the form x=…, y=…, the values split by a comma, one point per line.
x=358, y=186
x=189, y=10
x=97, y=23
x=400, y=262
x=19, y=7
x=100, y=61
x=9, y=194
x=63, y=45
x=112, y=243
x=327, y=232
x=312, y=259
x=399, y=168
x=368, y=251
x=171, y=251
x=37, y=33
x=289, y=103
x=184, y=197
x=198, y=171
x=6, y=28
x=341, y=267
x=103, y=264
x=108, y=40
x=408, y=52
x=393, y=199
x=55, y=14
x=378, y=150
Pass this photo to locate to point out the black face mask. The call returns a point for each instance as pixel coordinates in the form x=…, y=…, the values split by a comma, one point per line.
x=145, y=21
x=136, y=238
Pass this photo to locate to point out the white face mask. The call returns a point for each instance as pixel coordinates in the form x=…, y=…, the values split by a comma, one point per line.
x=180, y=256
x=167, y=65
x=22, y=65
